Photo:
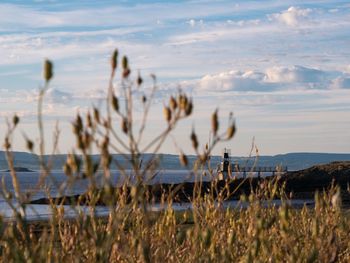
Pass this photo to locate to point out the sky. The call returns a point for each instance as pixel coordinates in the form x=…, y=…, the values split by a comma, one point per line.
x=282, y=67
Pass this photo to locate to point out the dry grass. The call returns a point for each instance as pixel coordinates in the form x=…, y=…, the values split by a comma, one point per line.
x=132, y=233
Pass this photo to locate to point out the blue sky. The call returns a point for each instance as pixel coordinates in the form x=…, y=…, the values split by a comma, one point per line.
x=282, y=67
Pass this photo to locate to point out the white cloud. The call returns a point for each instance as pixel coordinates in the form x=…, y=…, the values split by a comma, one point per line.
x=235, y=81
x=272, y=79
x=295, y=74
x=193, y=22
x=293, y=16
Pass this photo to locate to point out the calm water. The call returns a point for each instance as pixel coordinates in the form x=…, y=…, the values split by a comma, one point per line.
x=28, y=182
x=57, y=185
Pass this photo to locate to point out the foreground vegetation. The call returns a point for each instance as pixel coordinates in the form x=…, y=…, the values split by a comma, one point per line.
x=133, y=233
x=207, y=233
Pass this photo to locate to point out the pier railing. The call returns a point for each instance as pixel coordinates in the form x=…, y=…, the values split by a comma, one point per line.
x=259, y=169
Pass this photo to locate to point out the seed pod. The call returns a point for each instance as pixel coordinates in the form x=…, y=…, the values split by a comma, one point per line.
x=80, y=142
x=75, y=129
x=125, y=63
x=74, y=162
x=106, y=124
x=126, y=72
x=231, y=131
x=172, y=103
x=70, y=163
x=87, y=139
x=194, y=140
x=139, y=80
x=97, y=115
x=214, y=122
x=88, y=120
x=183, y=102
x=115, y=103
x=105, y=143
x=167, y=113
x=179, y=98
x=15, y=120
x=79, y=123
x=183, y=159
x=48, y=70
x=30, y=145
x=125, y=125
x=114, y=60
x=189, y=108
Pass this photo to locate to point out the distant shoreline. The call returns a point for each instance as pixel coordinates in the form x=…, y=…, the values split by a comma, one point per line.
x=301, y=184
x=20, y=169
x=294, y=161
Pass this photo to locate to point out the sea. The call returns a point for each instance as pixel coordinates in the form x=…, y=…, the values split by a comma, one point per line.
x=57, y=185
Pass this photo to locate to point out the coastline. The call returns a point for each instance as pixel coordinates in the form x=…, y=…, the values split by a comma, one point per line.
x=298, y=185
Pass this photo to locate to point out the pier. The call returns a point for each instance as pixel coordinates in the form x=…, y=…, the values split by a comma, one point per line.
x=255, y=169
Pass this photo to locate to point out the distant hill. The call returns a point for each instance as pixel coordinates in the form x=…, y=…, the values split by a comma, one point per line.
x=294, y=161
x=298, y=161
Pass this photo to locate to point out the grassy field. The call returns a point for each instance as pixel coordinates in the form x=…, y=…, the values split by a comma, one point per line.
x=207, y=233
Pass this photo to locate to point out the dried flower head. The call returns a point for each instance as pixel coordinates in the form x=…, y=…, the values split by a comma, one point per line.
x=126, y=73
x=15, y=120
x=231, y=130
x=172, y=103
x=30, y=145
x=167, y=113
x=139, y=80
x=114, y=60
x=194, y=140
x=189, y=108
x=115, y=103
x=214, y=122
x=183, y=159
x=88, y=120
x=105, y=142
x=183, y=101
x=96, y=115
x=125, y=63
x=79, y=122
x=124, y=125
x=87, y=138
x=48, y=70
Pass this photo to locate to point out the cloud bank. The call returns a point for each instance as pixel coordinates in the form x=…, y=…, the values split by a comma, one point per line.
x=274, y=78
